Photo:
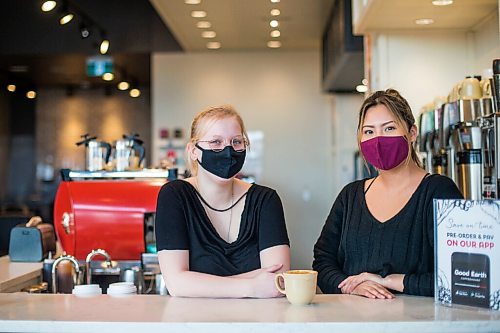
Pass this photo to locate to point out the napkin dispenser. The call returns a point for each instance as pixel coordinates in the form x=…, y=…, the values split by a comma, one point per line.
x=31, y=244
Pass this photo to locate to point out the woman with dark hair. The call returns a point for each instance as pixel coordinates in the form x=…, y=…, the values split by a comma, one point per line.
x=379, y=235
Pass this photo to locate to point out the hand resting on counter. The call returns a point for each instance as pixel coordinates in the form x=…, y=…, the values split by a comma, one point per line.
x=372, y=285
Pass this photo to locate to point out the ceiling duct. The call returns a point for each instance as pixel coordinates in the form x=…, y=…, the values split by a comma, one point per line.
x=342, y=51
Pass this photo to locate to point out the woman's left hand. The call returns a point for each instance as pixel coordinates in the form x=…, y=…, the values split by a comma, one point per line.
x=348, y=285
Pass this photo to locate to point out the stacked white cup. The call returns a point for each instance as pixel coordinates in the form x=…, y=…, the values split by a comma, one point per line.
x=122, y=288
x=87, y=290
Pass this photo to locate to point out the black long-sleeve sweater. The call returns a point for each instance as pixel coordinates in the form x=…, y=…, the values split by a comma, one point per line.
x=353, y=241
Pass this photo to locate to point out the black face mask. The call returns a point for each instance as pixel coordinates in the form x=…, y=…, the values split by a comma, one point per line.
x=225, y=163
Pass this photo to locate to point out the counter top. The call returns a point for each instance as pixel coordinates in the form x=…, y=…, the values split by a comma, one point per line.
x=16, y=275
x=22, y=312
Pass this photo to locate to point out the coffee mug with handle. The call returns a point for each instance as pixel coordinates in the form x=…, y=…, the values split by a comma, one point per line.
x=299, y=285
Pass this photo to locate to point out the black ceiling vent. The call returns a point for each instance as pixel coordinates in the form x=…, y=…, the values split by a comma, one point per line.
x=342, y=51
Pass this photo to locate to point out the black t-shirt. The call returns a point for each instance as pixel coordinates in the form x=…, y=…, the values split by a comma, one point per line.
x=182, y=224
x=353, y=241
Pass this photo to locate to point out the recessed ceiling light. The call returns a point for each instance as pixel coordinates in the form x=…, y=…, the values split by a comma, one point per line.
x=274, y=23
x=203, y=24
x=275, y=1
x=134, y=93
x=123, y=85
x=11, y=87
x=424, y=21
x=108, y=76
x=442, y=2
x=208, y=34
x=361, y=88
x=213, y=45
x=275, y=12
x=192, y=2
x=198, y=13
x=274, y=44
x=31, y=94
x=275, y=33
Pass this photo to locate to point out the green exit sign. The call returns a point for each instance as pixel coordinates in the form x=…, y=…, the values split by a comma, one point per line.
x=98, y=65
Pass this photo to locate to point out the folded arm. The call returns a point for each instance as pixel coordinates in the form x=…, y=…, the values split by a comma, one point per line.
x=180, y=281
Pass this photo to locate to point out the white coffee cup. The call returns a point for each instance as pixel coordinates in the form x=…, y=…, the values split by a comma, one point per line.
x=299, y=285
x=122, y=288
x=87, y=290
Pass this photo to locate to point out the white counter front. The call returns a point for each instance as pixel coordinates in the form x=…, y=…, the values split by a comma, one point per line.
x=21, y=312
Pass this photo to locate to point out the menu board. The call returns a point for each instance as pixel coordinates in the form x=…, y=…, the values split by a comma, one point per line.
x=467, y=252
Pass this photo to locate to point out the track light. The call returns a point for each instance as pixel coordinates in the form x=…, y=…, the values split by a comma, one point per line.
x=65, y=18
x=84, y=30
x=104, y=46
x=47, y=6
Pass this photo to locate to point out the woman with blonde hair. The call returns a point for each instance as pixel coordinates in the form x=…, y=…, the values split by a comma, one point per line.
x=218, y=236
x=379, y=236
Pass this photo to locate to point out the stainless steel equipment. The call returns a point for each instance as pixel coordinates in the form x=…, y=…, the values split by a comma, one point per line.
x=129, y=153
x=96, y=152
x=75, y=275
x=490, y=130
x=89, y=258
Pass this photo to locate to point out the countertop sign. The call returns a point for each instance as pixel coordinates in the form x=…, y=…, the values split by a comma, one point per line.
x=467, y=252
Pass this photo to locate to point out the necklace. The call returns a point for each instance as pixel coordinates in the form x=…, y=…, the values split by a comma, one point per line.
x=216, y=209
x=230, y=208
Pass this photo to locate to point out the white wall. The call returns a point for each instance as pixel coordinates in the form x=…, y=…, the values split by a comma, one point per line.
x=278, y=93
x=426, y=64
x=421, y=65
x=486, y=38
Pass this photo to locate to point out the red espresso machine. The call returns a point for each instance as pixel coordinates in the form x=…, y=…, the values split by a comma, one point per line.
x=107, y=210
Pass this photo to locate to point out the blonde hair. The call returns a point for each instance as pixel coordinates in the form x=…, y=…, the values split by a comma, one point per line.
x=400, y=109
x=203, y=121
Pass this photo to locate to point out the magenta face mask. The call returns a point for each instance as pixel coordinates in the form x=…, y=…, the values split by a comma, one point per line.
x=385, y=152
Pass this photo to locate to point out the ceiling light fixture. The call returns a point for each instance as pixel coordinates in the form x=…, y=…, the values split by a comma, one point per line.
x=123, y=85
x=213, y=45
x=11, y=87
x=424, y=21
x=275, y=33
x=108, y=76
x=84, y=30
x=31, y=94
x=442, y=2
x=203, y=24
x=65, y=18
x=361, y=88
x=192, y=2
x=198, y=13
x=274, y=44
x=274, y=23
x=47, y=6
x=365, y=82
x=275, y=1
x=208, y=34
x=104, y=46
x=275, y=12
x=135, y=92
